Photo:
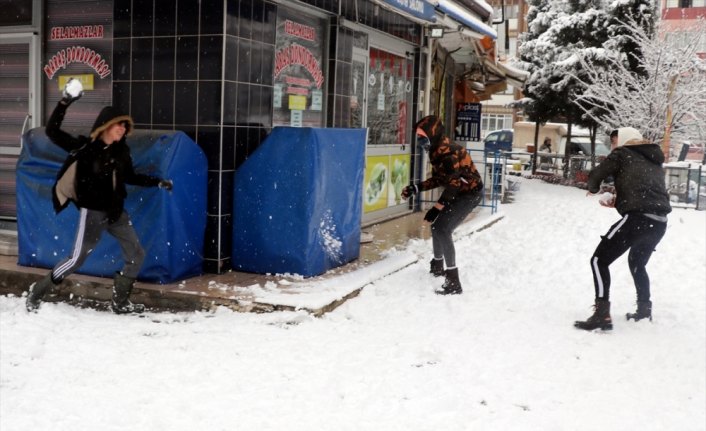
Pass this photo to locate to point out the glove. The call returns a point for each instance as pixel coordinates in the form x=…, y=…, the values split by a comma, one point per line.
x=409, y=191
x=432, y=214
x=166, y=185
x=73, y=90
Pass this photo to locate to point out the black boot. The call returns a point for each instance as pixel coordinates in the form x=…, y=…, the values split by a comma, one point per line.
x=644, y=311
x=452, y=285
x=122, y=286
x=437, y=267
x=600, y=318
x=36, y=292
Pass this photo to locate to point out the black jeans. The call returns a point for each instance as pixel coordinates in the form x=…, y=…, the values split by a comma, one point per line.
x=442, y=229
x=636, y=232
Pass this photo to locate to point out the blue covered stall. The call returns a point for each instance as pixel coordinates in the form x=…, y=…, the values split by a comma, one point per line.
x=298, y=202
x=170, y=225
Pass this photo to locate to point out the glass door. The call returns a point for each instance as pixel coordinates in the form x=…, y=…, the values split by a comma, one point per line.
x=18, y=110
x=388, y=118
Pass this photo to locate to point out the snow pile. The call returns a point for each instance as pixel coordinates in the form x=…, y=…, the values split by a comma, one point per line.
x=502, y=356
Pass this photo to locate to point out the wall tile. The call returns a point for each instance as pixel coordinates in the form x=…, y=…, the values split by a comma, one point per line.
x=210, y=57
x=212, y=16
x=163, y=103
x=185, y=94
x=121, y=59
x=142, y=51
x=244, y=58
x=122, y=18
x=142, y=19
x=209, y=139
x=164, y=18
x=187, y=62
x=187, y=17
x=163, y=66
x=140, y=102
x=229, y=100
x=121, y=96
x=231, y=62
x=209, y=110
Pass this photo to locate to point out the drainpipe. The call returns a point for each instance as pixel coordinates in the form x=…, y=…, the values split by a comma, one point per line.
x=427, y=81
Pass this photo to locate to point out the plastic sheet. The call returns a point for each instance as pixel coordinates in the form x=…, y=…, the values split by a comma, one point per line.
x=170, y=225
x=298, y=202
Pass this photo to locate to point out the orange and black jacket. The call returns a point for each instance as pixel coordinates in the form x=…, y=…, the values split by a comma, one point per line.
x=451, y=165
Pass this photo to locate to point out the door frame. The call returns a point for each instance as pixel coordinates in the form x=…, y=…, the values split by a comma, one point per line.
x=34, y=113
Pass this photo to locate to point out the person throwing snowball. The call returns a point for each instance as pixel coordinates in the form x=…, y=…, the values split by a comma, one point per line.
x=641, y=199
x=93, y=178
x=453, y=169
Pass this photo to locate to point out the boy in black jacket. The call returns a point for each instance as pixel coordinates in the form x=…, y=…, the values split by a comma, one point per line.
x=642, y=200
x=94, y=178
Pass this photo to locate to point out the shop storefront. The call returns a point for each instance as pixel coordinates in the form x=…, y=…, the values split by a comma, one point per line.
x=223, y=72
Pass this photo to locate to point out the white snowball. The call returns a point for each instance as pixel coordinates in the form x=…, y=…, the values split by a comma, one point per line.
x=73, y=87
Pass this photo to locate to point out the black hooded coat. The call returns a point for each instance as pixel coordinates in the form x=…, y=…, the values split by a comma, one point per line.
x=95, y=173
x=639, y=179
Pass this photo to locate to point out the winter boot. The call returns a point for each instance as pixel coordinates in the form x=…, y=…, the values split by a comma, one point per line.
x=452, y=285
x=600, y=318
x=437, y=267
x=644, y=311
x=36, y=292
x=122, y=286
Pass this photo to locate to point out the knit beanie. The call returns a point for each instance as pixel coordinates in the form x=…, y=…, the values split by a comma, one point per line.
x=629, y=136
x=107, y=117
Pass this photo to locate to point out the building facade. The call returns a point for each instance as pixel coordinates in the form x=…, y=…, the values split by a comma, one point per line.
x=226, y=72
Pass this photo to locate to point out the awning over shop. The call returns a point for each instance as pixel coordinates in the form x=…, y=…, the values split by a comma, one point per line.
x=514, y=76
x=464, y=17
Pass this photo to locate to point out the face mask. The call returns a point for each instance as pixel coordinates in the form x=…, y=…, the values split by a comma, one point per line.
x=424, y=142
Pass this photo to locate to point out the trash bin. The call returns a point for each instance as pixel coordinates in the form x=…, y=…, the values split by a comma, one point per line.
x=298, y=202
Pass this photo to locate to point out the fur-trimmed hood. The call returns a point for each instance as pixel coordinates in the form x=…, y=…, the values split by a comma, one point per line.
x=107, y=117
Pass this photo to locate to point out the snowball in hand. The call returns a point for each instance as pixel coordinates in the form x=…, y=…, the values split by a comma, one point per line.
x=606, y=199
x=73, y=87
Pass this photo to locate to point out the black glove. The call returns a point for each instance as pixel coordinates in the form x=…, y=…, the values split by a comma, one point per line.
x=73, y=90
x=166, y=185
x=409, y=191
x=432, y=214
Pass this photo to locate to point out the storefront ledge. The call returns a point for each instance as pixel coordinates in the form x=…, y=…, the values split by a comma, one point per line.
x=316, y=298
x=390, y=252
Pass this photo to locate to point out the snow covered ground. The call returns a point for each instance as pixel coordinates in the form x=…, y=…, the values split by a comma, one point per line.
x=502, y=356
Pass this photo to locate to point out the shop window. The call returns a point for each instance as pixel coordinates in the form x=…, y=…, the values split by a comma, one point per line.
x=389, y=98
x=298, y=94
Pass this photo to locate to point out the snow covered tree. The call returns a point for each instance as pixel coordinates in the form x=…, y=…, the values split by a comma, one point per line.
x=559, y=33
x=658, y=88
x=536, y=52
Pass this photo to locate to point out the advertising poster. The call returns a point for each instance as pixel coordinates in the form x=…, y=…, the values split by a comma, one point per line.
x=376, y=183
x=468, y=122
x=299, y=73
x=78, y=44
x=399, y=177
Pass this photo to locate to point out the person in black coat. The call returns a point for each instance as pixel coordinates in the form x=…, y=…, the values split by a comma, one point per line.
x=93, y=178
x=642, y=200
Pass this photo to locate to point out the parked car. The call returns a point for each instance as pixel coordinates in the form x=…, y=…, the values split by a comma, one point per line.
x=498, y=140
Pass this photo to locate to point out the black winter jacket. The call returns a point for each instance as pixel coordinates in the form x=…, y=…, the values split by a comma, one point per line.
x=639, y=179
x=100, y=171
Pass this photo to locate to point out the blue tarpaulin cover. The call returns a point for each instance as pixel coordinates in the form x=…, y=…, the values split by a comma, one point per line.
x=170, y=225
x=298, y=202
